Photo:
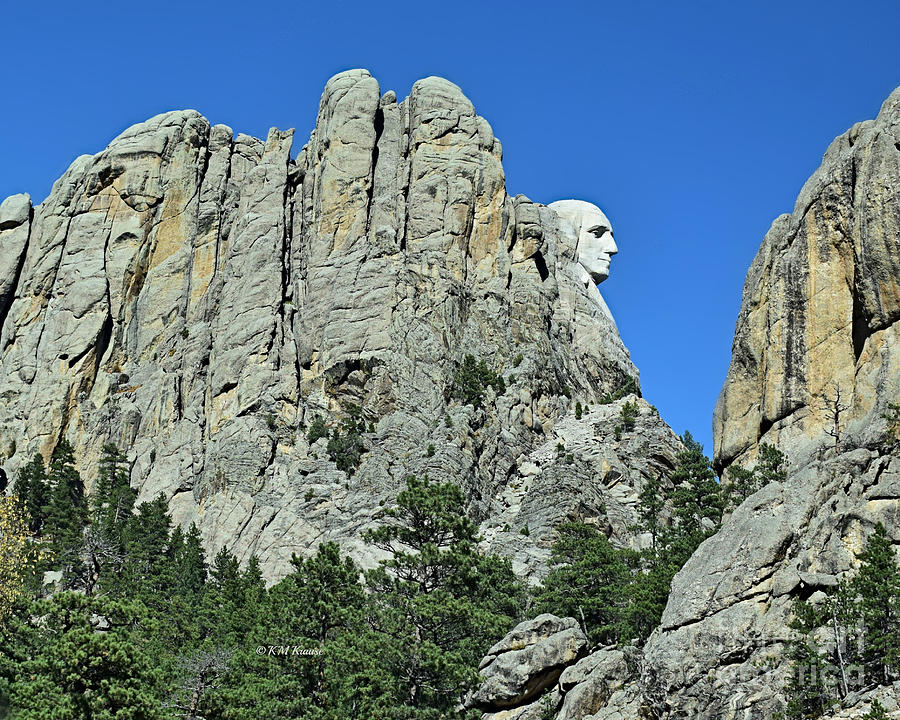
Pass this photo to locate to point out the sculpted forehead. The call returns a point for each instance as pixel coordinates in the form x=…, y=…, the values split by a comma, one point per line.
x=579, y=213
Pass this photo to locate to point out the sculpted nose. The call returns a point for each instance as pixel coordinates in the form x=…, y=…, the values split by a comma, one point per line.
x=611, y=247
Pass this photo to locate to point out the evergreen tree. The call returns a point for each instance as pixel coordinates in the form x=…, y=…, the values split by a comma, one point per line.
x=113, y=497
x=147, y=572
x=651, y=503
x=33, y=492
x=318, y=608
x=66, y=511
x=189, y=562
x=588, y=580
x=83, y=658
x=697, y=502
x=810, y=689
x=877, y=585
x=433, y=618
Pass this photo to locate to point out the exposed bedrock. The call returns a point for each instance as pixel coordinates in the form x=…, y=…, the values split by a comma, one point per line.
x=198, y=298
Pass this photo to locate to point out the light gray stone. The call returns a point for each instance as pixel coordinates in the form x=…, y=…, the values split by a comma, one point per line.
x=528, y=661
x=198, y=298
x=14, y=211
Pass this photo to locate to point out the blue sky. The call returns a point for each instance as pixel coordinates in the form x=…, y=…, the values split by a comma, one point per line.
x=693, y=124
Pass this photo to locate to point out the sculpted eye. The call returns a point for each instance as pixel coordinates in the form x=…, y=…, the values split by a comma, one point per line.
x=598, y=230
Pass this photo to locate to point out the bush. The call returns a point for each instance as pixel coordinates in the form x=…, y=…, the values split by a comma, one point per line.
x=430, y=451
x=345, y=447
x=472, y=378
x=317, y=430
x=628, y=415
x=578, y=410
x=629, y=387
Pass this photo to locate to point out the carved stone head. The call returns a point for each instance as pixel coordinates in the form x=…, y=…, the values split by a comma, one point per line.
x=594, y=244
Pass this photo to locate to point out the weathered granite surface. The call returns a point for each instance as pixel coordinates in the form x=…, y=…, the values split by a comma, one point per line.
x=820, y=306
x=820, y=312
x=198, y=298
x=541, y=669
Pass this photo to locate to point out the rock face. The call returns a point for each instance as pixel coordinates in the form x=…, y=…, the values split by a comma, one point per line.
x=528, y=661
x=542, y=667
x=820, y=312
x=199, y=299
x=820, y=306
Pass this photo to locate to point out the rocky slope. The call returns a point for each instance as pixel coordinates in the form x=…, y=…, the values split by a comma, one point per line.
x=199, y=299
x=819, y=317
x=819, y=314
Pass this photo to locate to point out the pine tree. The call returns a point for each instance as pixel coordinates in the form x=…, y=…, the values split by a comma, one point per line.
x=85, y=658
x=651, y=503
x=147, y=572
x=697, y=502
x=878, y=586
x=113, y=498
x=433, y=619
x=588, y=579
x=810, y=688
x=66, y=511
x=189, y=562
x=319, y=607
x=33, y=492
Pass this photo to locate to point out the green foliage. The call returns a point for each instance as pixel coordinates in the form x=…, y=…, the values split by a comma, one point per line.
x=525, y=531
x=319, y=607
x=84, y=658
x=742, y=483
x=587, y=580
x=810, y=689
x=438, y=603
x=270, y=422
x=33, y=491
x=861, y=619
x=11, y=450
x=472, y=378
x=578, y=410
x=345, y=447
x=547, y=708
x=877, y=711
x=66, y=511
x=627, y=388
x=113, y=498
x=877, y=585
x=893, y=421
x=518, y=360
x=620, y=594
x=697, y=502
x=430, y=451
x=628, y=415
x=317, y=430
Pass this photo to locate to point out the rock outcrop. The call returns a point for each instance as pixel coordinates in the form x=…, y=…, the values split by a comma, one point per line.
x=818, y=321
x=199, y=299
x=819, y=316
x=541, y=668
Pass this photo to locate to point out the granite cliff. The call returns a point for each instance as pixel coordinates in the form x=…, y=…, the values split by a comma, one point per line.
x=815, y=367
x=200, y=299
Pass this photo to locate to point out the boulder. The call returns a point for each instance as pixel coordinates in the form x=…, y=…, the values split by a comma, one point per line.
x=528, y=661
